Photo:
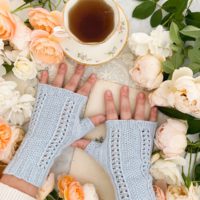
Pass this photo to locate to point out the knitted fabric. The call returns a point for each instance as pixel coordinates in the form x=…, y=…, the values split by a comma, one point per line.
x=9, y=193
x=125, y=155
x=55, y=124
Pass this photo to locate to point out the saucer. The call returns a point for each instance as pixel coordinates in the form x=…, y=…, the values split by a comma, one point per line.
x=101, y=53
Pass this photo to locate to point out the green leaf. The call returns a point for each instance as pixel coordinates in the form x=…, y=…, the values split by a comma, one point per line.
x=175, y=6
x=193, y=18
x=8, y=67
x=187, y=180
x=191, y=31
x=174, y=34
x=193, y=123
x=194, y=55
x=195, y=67
x=156, y=18
x=177, y=59
x=197, y=173
x=168, y=67
x=144, y=10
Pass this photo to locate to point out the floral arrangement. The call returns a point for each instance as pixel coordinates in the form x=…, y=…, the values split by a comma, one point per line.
x=167, y=64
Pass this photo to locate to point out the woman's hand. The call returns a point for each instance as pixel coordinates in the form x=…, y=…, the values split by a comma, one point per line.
x=73, y=84
x=125, y=110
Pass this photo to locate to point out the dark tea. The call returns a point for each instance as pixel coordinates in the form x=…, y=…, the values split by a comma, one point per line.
x=91, y=20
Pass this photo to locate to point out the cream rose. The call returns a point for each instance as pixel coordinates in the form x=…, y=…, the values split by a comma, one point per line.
x=182, y=193
x=171, y=138
x=42, y=19
x=147, y=72
x=24, y=69
x=182, y=93
x=167, y=171
x=44, y=48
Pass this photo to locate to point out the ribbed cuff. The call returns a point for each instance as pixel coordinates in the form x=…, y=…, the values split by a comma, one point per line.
x=9, y=193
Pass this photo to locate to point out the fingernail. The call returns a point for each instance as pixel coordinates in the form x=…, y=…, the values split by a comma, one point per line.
x=108, y=93
x=80, y=67
x=125, y=88
x=93, y=76
x=155, y=109
x=141, y=95
x=62, y=66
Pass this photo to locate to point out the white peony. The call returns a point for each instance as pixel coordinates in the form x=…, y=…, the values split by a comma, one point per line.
x=160, y=44
x=147, y=72
x=139, y=43
x=14, y=108
x=2, y=69
x=182, y=92
x=171, y=138
x=90, y=192
x=168, y=171
x=24, y=69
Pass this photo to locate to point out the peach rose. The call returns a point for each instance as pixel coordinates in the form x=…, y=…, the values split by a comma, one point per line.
x=159, y=193
x=42, y=19
x=5, y=135
x=63, y=183
x=74, y=191
x=12, y=27
x=45, y=48
x=10, y=137
x=7, y=21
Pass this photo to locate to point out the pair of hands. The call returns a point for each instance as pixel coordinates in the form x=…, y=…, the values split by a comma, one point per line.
x=110, y=110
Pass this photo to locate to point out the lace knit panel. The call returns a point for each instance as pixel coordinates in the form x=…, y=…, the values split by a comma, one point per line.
x=59, y=135
x=116, y=165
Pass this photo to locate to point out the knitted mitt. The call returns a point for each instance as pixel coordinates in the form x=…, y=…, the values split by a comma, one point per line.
x=55, y=124
x=125, y=155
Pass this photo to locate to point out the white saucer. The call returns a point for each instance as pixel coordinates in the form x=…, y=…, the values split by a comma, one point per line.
x=101, y=53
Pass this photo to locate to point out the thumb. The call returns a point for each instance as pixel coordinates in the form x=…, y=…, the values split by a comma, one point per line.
x=82, y=144
x=98, y=119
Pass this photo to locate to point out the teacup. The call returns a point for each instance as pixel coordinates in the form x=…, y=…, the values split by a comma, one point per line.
x=67, y=31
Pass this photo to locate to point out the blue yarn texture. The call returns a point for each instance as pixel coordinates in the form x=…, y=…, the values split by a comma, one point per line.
x=125, y=155
x=56, y=123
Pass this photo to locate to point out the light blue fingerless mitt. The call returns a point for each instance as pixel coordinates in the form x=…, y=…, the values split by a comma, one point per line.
x=125, y=155
x=55, y=124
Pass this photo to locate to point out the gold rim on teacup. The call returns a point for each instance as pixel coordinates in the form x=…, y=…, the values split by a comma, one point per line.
x=65, y=31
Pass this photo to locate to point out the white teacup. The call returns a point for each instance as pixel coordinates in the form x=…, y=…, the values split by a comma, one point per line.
x=62, y=32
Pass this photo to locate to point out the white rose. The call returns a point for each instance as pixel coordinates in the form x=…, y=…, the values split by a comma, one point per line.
x=147, y=72
x=167, y=171
x=90, y=192
x=182, y=92
x=139, y=43
x=24, y=69
x=171, y=137
x=160, y=44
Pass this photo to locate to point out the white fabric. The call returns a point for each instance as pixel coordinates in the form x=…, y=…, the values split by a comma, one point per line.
x=9, y=193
